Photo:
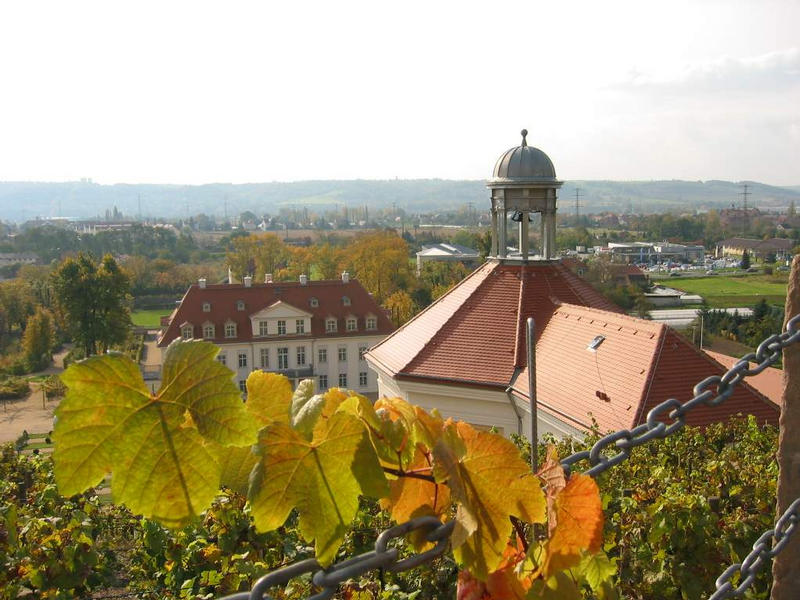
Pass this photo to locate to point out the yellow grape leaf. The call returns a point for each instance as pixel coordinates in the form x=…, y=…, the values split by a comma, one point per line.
x=410, y=497
x=554, y=479
x=322, y=478
x=237, y=463
x=387, y=437
x=491, y=483
x=599, y=570
x=558, y=587
x=162, y=449
x=269, y=397
x=502, y=584
x=579, y=516
x=309, y=409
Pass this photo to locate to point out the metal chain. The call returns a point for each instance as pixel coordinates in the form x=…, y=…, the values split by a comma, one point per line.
x=712, y=391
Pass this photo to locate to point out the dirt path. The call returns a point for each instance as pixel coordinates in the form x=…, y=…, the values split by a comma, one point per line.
x=27, y=413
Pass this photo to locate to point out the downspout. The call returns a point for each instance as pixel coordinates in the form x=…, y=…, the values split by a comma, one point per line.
x=511, y=400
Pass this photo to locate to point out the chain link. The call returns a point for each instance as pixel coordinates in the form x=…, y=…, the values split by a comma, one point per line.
x=662, y=421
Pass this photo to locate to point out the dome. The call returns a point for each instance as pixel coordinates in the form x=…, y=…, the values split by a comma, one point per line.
x=524, y=163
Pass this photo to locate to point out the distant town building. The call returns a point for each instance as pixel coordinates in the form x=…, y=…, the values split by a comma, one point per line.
x=651, y=253
x=17, y=258
x=466, y=354
x=447, y=252
x=305, y=329
x=780, y=247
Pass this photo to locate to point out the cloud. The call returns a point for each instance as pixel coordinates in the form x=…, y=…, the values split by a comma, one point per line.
x=773, y=71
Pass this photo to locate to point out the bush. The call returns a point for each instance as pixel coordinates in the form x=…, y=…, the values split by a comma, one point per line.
x=13, y=388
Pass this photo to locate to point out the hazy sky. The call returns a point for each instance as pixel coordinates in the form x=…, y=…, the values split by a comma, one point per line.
x=227, y=91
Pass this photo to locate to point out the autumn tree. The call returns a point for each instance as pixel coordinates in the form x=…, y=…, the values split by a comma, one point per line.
x=256, y=255
x=326, y=258
x=380, y=262
x=16, y=302
x=401, y=307
x=92, y=299
x=37, y=341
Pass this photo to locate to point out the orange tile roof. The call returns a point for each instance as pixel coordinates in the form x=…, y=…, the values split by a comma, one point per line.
x=475, y=335
x=224, y=298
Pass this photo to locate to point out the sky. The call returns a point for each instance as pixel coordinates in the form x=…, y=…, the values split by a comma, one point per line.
x=199, y=92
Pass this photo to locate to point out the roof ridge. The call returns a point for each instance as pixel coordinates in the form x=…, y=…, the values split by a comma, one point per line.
x=618, y=315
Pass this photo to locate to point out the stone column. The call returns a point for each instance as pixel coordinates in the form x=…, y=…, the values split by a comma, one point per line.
x=494, y=232
x=524, y=244
x=503, y=233
x=542, y=235
x=786, y=568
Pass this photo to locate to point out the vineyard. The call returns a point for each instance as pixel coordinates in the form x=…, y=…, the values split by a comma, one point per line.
x=331, y=472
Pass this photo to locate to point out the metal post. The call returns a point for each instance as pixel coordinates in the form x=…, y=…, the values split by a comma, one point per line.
x=532, y=393
x=701, y=331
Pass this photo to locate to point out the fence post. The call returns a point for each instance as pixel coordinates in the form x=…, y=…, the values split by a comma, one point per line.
x=786, y=567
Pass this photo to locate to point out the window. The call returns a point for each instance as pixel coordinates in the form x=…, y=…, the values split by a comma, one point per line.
x=242, y=359
x=323, y=382
x=187, y=332
x=262, y=328
x=342, y=354
x=351, y=324
x=342, y=379
x=281, y=327
x=300, y=325
x=345, y=301
x=230, y=330
x=206, y=306
x=362, y=350
x=322, y=355
x=240, y=305
x=362, y=379
x=243, y=385
x=301, y=356
x=264, y=356
x=313, y=302
x=330, y=325
x=372, y=323
x=283, y=358
x=222, y=358
x=208, y=331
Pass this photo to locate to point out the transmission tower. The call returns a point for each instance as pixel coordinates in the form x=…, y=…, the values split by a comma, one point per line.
x=745, y=194
x=577, y=206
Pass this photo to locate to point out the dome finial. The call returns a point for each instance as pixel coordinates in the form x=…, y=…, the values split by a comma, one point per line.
x=524, y=133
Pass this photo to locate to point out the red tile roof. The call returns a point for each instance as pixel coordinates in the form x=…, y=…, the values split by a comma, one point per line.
x=475, y=335
x=224, y=298
x=768, y=383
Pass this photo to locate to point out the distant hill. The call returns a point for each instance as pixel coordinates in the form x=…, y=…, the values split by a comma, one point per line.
x=20, y=201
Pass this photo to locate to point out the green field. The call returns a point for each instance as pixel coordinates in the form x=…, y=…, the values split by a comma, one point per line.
x=148, y=318
x=729, y=292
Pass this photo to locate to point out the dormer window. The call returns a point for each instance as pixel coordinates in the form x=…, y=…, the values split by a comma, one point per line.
x=330, y=325
x=351, y=324
x=281, y=327
x=313, y=302
x=263, y=328
x=206, y=306
x=240, y=305
x=345, y=300
x=372, y=323
x=230, y=329
x=208, y=331
x=187, y=331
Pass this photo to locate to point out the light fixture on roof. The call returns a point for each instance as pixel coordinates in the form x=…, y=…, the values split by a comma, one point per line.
x=595, y=343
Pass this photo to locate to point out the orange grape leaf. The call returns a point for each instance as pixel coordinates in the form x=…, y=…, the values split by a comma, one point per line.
x=502, y=584
x=579, y=517
x=552, y=475
x=410, y=497
x=490, y=482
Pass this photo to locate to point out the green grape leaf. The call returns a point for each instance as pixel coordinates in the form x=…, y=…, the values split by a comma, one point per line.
x=322, y=478
x=491, y=483
x=598, y=569
x=390, y=438
x=269, y=396
x=162, y=449
x=237, y=463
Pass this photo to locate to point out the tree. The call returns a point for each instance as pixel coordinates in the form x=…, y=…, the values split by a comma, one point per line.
x=256, y=255
x=401, y=307
x=745, y=263
x=325, y=258
x=37, y=341
x=379, y=261
x=92, y=299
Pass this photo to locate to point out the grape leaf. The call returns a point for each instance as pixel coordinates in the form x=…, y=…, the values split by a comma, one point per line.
x=579, y=515
x=322, y=478
x=598, y=569
x=491, y=482
x=552, y=474
x=269, y=396
x=410, y=497
x=308, y=408
x=558, y=587
x=162, y=449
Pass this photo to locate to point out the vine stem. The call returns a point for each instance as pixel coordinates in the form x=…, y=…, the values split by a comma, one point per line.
x=412, y=474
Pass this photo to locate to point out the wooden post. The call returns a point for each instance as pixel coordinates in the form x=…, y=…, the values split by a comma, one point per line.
x=786, y=568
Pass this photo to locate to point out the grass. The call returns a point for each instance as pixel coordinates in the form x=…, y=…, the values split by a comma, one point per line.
x=731, y=292
x=149, y=318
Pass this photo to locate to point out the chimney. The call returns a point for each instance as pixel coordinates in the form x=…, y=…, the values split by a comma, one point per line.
x=345, y=277
x=268, y=278
x=303, y=279
x=202, y=283
x=248, y=281
x=230, y=276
